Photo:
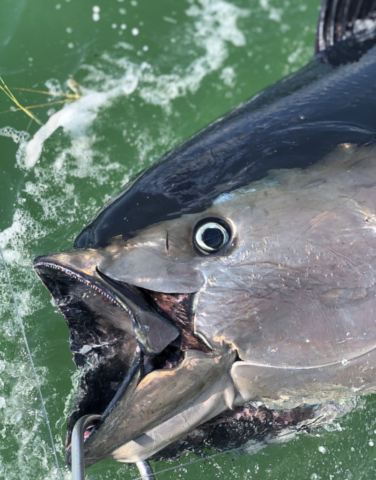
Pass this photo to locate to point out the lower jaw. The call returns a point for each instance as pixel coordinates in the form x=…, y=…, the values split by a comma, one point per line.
x=225, y=431
x=169, y=359
x=252, y=428
x=248, y=428
x=207, y=406
x=196, y=392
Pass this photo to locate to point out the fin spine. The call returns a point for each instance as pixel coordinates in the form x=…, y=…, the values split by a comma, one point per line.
x=338, y=21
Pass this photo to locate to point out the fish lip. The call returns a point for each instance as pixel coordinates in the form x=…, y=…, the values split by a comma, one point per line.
x=81, y=277
x=118, y=292
x=106, y=292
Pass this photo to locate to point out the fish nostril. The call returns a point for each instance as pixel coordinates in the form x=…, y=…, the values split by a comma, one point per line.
x=167, y=242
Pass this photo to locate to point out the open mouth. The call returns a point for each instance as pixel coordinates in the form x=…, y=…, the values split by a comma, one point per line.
x=142, y=367
x=112, y=326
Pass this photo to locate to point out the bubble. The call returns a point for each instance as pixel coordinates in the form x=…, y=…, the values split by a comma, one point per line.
x=322, y=449
x=15, y=135
x=96, y=17
x=54, y=86
x=135, y=31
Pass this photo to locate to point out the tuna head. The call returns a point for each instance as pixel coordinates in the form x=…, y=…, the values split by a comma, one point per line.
x=138, y=297
x=239, y=268
x=267, y=295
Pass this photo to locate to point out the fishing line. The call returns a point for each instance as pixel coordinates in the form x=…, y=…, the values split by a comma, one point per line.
x=195, y=461
x=31, y=362
x=202, y=459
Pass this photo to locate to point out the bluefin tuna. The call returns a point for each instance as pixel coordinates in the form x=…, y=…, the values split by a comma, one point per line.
x=229, y=291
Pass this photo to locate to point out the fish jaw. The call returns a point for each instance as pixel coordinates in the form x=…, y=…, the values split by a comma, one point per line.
x=180, y=376
x=165, y=405
x=212, y=403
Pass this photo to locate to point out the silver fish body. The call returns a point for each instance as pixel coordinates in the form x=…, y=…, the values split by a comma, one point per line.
x=242, y=265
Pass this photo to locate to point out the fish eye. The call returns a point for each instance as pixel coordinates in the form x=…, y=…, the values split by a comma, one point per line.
x=211, y=235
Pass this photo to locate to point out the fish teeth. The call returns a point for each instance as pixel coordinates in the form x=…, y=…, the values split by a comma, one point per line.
x=84, y=281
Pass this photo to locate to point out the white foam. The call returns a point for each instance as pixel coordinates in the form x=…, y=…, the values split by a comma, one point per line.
x=228, y=76
x=274, y=13
x=21, y=421
x=54, y=86
x=75, y=118
x=215, y=27
x=14, y=134
x=362, y=25
x=15, y=230
x=18, y=137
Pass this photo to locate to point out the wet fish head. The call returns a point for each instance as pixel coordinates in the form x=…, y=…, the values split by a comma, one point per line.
x=138, y=294
x=264, y=296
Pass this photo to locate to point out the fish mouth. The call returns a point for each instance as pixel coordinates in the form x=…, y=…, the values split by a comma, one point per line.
x=156, y=385
x=113, y=325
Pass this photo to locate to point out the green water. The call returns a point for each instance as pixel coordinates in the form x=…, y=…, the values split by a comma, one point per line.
x=153, y=72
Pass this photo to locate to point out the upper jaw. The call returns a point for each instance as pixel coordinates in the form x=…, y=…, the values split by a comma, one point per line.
x=152, y=331
x=104, y=338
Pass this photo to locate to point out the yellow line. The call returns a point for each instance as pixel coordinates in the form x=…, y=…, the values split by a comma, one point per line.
x=38, y=106
x=68, y=95
x=10, y=95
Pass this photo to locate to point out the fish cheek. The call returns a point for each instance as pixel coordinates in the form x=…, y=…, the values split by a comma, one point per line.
x=286, y=317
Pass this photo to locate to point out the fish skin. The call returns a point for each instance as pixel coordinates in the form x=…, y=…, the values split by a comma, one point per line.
x=293, y=124
x=196, y=387
x=286, y=307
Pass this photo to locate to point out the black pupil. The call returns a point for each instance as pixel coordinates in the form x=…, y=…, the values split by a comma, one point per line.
x=213, y=237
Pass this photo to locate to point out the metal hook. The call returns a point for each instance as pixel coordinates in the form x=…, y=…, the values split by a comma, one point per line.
x=77, y=448
x=78, y=452
x=145, y=470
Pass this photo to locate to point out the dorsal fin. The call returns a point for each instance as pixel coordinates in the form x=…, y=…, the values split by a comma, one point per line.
x=342, y=19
